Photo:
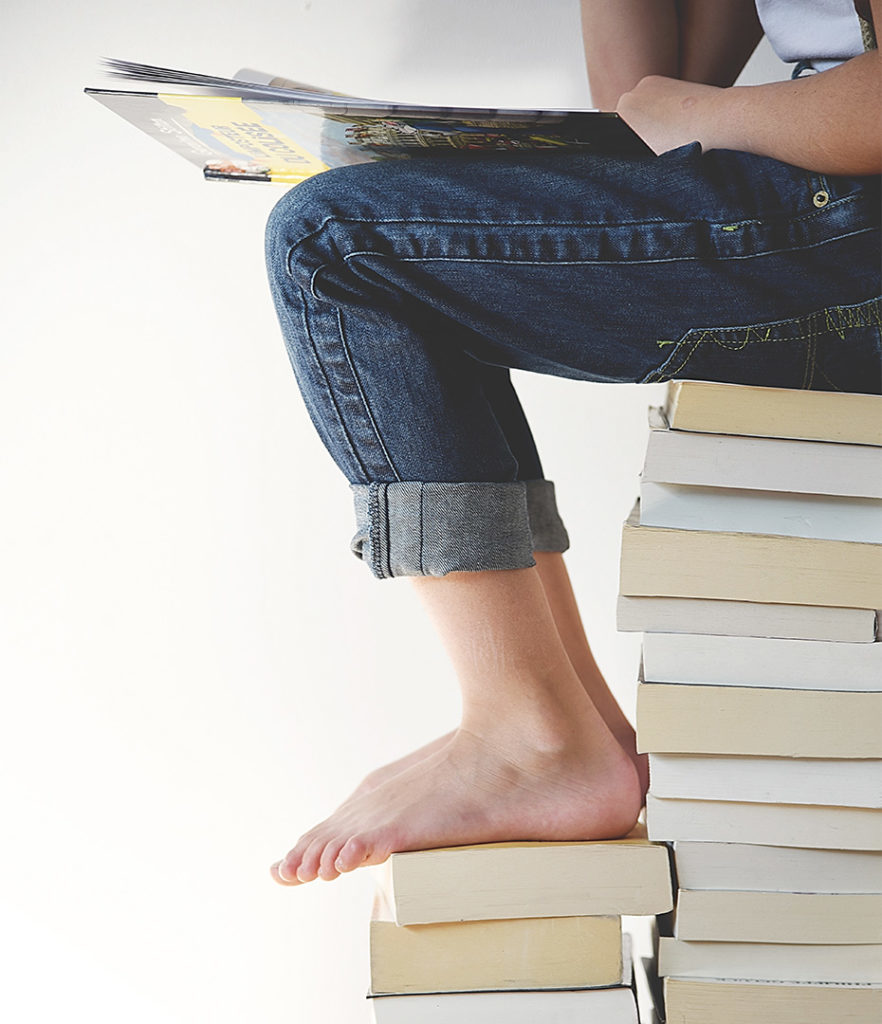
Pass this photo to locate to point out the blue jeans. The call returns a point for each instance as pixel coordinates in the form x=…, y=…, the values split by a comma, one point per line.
x=406, y=290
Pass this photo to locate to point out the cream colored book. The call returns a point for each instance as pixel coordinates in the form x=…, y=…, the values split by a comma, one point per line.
x=774, y=412
x=493, y=956
x=766, y=961
x=765, y=568
x=795, y=917
x=497, y=881
x=692, y=719
x=729, y=821
x=745, y=618
x=750, y=1002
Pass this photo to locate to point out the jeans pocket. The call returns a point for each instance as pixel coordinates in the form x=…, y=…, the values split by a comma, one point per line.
x=834, y=349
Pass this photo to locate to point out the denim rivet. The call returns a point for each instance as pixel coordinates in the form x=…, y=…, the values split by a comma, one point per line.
x=821, y=198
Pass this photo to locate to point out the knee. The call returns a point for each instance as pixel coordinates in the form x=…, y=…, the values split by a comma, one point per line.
x=298, y=219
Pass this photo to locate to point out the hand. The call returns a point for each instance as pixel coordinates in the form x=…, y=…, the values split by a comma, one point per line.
x=667, y=112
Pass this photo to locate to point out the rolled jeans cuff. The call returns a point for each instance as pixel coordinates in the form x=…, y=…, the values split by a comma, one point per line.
x=411, y=528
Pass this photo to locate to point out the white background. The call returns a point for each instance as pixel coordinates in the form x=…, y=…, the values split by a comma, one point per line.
x=194, y=668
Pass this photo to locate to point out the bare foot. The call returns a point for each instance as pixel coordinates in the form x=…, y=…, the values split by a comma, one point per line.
x=478, y=788
x=388, y=771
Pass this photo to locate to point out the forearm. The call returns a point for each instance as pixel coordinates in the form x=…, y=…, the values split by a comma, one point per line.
x=626, y=41
x=828, y=123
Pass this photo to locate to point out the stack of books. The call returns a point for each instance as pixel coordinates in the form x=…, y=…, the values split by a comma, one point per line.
x=514, y=932
x=753, y=566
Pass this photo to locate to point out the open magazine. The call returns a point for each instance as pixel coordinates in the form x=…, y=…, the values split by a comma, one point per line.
x=254, y=127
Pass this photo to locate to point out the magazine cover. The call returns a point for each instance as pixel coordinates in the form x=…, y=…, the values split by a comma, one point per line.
x=251, y=128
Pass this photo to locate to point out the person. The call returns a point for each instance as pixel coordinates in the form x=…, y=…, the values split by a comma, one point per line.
x=747, y=252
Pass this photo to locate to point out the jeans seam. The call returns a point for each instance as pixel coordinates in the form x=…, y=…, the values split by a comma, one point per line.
x=363, y=396
x=407, y=221
x=598, y=262
x=513, y=222
x=422, y=528
x=330, y=393
x=671, y=368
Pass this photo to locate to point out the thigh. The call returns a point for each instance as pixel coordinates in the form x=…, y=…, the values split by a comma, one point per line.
x=720, y=265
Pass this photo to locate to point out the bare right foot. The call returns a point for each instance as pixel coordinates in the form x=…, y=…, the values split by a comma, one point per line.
x=388, y=771
x=479, y=789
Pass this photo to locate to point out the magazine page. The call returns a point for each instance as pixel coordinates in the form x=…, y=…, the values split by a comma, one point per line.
x=241, y=131
x=309, y=95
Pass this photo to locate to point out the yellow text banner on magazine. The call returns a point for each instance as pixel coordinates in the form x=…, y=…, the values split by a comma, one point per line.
x=231, y=123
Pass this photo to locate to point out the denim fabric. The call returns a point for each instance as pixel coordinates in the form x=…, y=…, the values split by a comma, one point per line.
x=407, y=289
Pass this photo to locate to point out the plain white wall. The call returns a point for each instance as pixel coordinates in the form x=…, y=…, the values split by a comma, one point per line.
x=195, y=669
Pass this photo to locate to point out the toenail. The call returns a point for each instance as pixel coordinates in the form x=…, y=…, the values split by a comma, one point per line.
x=285, y=877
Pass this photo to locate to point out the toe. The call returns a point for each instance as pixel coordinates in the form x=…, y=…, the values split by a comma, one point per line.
x=327, y=866
x=276, y=874
x=307, y=870
x=352, y=854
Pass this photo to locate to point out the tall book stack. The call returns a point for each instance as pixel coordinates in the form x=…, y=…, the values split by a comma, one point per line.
x=514, y=932
x=753, y=566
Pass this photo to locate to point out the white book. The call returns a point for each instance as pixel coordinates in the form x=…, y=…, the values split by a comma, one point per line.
x=718, y=821
x=731, y=510
x=745, y=618
x=762, y=662
x=800, y=918
x=760, y=463
x=776, y=868
x=645, y=980
x=766, y=961
x=584, y=1006
x=785, y=780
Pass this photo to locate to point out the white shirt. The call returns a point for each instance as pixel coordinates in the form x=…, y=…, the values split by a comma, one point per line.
x=823, y=32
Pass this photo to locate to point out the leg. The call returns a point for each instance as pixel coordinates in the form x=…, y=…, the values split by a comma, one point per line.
x=568, y=623
x=548, y=768
x=392, y=317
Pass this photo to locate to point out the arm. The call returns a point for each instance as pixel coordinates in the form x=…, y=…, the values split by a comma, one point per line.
x=828, y=123
x=627, y=40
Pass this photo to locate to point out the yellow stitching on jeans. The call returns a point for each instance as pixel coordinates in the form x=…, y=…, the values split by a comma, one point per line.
x=836, y=320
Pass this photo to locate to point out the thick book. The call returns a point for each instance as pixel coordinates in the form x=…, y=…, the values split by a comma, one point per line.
x=767, y=780
x=792, y=917
x=498, y=881
x=693, y=719
x=776, y=868
x=745, y=618
x=256, y=128
x=738, y=510
x=474, y=956
x=766, y=961
x=760, y=463
x=597, y=1006
x=739, y=1002
x=765, y=568
x=761, y=661
x=728, y=821
x=834, y=416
